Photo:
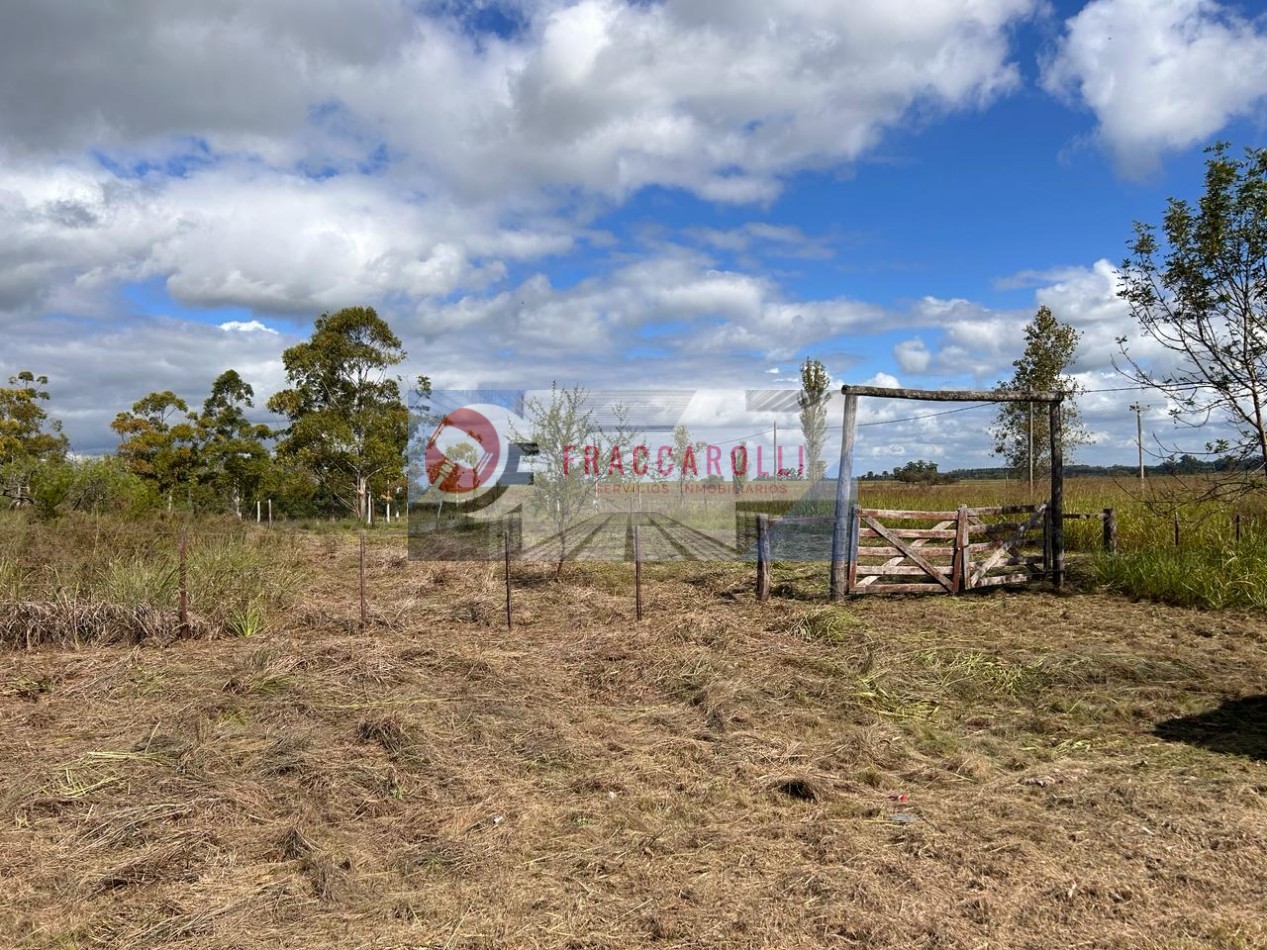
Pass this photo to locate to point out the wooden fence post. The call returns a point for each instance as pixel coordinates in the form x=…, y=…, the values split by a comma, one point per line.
x=364, y=605
x=1047, y=540
x=1238, y=527
x=851, y=576
x=637, y=574
x=841, y=542
x=270, y=512
x=184, y=585
x=1055, y=424
x=763, y=558
x=506, y=556
x=1110, y=530
x=1177, y=529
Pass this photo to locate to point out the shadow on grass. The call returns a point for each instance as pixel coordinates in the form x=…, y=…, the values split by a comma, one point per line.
x=1236, y=727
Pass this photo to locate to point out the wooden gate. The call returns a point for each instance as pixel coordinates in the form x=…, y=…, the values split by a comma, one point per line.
x=900, y=552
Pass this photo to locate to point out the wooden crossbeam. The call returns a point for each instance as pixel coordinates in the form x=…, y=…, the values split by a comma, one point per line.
x=897, y=557
x=906, y=515
x=953, y=395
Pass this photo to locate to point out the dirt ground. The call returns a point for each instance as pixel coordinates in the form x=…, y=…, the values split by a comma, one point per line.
x=1009, y=770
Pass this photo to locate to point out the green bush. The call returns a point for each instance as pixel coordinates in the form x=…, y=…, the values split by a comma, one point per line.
x=95, y=486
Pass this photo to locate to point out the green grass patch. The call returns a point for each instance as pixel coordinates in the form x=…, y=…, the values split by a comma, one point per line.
x=237, y=576
x=1209, y=577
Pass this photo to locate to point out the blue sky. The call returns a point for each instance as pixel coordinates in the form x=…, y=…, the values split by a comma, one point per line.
x=674, y=193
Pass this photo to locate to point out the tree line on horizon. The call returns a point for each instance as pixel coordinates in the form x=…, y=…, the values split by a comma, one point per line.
x=341, y=451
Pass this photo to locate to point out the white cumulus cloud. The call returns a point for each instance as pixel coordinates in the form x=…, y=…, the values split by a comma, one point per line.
x=1160, y=75
x=912, y=356
x=246, y=326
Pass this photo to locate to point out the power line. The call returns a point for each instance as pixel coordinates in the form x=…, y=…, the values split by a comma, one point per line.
x=1140, y=387
x=1080, y=392
x=927, y=415
x=744, y=438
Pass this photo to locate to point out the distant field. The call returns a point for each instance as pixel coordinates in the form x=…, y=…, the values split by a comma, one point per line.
x=1145, y=517
x=1006, y=770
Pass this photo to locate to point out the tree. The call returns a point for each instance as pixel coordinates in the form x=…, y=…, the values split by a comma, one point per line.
x=234, y=458
x=920, y=472
x=813, y=402
x=28, y=438
x=617, y=443
x=562, y=428
x=1022, y=430
x=160, y=442
x=348, y=424
x=1202, y=295
x=739, y=467
x=210, y=459
x=688, y=456
x=467, y=454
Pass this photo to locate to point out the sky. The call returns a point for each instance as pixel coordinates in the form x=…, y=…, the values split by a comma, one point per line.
x=614, y=193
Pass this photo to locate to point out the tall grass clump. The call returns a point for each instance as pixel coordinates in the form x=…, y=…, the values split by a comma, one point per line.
x=246, y=579
x=238, y=576
x=12, y=578
x=1208, y=567
x=1209, y=576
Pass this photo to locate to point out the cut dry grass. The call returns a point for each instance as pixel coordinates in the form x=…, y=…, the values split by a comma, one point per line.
x=1011, y=770
x=28, y=625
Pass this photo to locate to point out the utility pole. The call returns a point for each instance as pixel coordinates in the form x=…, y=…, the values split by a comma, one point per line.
x=1139, y=437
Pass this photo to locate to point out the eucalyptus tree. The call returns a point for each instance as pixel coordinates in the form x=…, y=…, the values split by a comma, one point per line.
x=28, y=437
x=348, y=425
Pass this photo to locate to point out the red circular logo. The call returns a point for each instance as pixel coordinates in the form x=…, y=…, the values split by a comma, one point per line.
x=469, y=435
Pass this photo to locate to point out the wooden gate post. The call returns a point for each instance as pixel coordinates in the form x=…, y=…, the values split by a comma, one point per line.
x=851, y=575
x=841, y=539
x=1057, y=508
x=1047, y=539
x=1110, y=531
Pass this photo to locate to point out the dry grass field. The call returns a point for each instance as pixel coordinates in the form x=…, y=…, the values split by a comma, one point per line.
x=1009, y=770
